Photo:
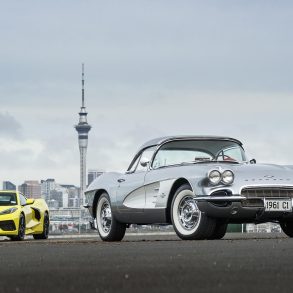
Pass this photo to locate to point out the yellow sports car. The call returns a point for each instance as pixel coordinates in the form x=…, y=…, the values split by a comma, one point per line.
x=20, y=216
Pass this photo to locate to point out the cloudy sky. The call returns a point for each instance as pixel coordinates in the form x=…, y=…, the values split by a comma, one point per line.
x=153, y=68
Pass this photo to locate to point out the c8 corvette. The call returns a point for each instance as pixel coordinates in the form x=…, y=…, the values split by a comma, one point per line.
x=20, y=216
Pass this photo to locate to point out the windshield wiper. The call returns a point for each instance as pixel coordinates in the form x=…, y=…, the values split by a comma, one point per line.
x=227, y=161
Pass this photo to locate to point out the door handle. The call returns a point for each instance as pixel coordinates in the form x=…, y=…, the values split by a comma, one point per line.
x=121, y=180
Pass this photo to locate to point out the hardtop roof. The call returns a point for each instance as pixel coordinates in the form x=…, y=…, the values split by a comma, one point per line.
x=161, y=140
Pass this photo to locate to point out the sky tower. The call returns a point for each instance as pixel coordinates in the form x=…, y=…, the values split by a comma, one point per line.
x=82, y=129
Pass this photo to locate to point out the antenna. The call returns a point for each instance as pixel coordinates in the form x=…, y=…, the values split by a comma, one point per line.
x=82, y=83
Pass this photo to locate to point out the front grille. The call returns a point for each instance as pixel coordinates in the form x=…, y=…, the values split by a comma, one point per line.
x=267, y=192
x=7, y=225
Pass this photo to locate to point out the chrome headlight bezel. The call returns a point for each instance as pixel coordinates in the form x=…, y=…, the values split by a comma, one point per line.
x=228, y=177
x=214, y=177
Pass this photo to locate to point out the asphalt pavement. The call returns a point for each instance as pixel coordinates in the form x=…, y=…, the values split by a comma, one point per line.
x=148, y=263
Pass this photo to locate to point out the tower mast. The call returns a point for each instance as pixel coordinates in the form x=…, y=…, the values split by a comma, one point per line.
x=82, y=129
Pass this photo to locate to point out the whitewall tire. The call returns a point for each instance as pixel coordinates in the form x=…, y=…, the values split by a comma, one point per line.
x=108, y=227
x=188, y=221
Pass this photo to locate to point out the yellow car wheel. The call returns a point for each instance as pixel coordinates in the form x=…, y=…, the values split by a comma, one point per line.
x=21, y=229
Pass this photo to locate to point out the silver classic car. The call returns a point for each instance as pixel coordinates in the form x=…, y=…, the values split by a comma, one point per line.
x=198, y=184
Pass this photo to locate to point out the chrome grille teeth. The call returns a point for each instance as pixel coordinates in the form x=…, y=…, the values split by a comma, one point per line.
x=269, y=192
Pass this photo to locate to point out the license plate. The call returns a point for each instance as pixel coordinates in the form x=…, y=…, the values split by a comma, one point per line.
x=278, y=205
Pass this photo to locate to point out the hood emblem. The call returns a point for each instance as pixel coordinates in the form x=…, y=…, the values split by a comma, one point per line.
x=269, y=176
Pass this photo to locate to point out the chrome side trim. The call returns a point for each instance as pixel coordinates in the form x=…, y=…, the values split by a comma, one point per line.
x=220, y=198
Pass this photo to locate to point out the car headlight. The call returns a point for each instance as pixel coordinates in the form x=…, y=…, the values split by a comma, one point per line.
x=8, y=211
x=227, y=177
x=214, y=177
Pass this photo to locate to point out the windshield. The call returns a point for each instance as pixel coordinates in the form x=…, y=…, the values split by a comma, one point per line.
x=7, y=199
x=197, y=151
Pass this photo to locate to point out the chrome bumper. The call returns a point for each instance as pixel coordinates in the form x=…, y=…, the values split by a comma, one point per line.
x=233, y=198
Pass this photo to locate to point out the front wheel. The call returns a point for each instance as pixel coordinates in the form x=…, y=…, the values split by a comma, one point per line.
x=21, y=229
x=108, y=227
x=287, y=228
x=188, y=221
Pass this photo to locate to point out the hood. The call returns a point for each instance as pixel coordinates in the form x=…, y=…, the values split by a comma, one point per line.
x=263, y=173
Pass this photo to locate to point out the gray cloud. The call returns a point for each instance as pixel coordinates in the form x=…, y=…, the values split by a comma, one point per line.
x=153, y=68
x=9, y=126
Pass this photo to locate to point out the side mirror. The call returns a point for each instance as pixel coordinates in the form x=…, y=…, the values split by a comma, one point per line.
x=253, y=161
x=30, y=201
x=144, y=161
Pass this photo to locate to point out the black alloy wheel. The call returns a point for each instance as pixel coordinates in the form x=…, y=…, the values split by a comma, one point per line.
x=21, y=229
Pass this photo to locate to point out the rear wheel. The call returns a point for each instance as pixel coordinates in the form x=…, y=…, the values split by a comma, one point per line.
x=219, y=231
x=287, y=228
x=188, y=221
x=45, y=232
x=21, y=229
x=108, y=227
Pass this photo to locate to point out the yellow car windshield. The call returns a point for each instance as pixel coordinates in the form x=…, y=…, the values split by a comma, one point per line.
x=7, y=199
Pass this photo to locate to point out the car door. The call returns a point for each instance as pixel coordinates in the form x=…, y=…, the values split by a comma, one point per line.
x=27, y=212
x=131, y=190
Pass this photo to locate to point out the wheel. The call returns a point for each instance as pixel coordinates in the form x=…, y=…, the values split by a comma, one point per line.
x=219, y=231
x=287, y=228
x=45, y=232
x=21, y=229
x=108, y=227
x=188, y=221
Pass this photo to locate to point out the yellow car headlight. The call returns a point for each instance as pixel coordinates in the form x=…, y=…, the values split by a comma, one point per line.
x=8, y=211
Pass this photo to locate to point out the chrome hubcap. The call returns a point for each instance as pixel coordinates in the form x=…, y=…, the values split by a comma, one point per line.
x=188, y=213
x=106, y=217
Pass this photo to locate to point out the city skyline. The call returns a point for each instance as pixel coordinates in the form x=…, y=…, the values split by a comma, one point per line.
x=155, y=68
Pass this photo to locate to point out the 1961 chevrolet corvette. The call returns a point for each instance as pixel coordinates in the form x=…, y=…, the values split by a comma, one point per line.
x=197, y=183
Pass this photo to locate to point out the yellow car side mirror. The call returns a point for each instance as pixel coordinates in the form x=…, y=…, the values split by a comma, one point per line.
x=30, y=201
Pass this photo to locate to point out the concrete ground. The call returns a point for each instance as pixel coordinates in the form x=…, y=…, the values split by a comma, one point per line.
x=151, y=262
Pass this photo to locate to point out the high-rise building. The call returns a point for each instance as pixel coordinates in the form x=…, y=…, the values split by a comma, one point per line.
x=92, y=175
x=7, y=185
x=82, y=129
x=30, y=189
x=47, y=186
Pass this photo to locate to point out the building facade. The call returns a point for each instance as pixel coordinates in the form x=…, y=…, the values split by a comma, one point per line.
x=30, y=189
x=7, y=185
x=92, y=175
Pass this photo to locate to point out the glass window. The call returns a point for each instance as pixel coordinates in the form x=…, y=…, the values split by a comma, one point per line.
x=22, y=199
x=147, y=154
x=191, y=151
x=175, y=157
x=231, y=154
x=7, y=199
x=133, y=166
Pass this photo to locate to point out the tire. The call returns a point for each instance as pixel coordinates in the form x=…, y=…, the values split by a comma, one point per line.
x=21, y=230
x=287, y=228
x=45, y=232
x=108, y=227
x=219, y=231
x=188, y=221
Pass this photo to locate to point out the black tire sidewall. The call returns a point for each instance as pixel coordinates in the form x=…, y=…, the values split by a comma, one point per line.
x=287, y=228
